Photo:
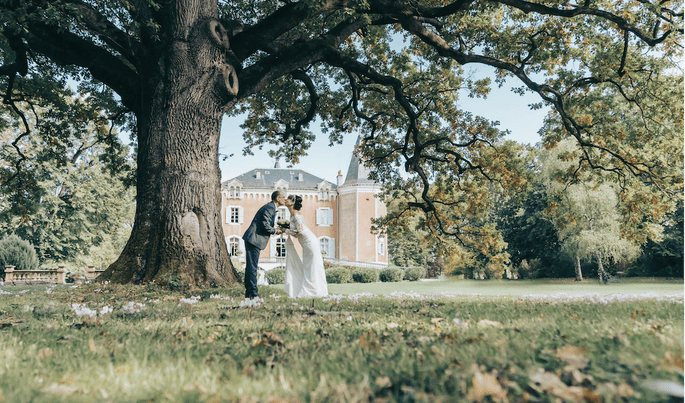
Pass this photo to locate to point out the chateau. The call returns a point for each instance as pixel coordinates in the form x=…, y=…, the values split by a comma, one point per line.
x=338, y=214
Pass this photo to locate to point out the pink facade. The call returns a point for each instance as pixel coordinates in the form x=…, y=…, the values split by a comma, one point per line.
x=338, y=214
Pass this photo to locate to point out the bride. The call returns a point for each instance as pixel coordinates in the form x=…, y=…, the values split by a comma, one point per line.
x=305, y=277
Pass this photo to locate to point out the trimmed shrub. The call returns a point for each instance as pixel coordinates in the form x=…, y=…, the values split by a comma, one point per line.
x=239, y=269
x=275, y=276
x=17, y=252
x=390, y=274
x=338, y=275
x=365, y=275
x=414, y=273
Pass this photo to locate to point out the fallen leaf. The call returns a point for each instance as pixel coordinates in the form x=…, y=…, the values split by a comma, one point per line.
x=625, y=390
x=545, y=381
x=383, y=382
x=573, y=355
x=437, y=351
x=483, y=385
x=674, y=362
x=392, y=325
x=491, y=323
x=267, y=339
x=548, y=382
x=91, y=345
x=437, y=320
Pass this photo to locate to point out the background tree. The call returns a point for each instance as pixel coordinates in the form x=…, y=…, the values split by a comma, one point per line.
x=178, y=66
x=73, y=190
x=586, y=214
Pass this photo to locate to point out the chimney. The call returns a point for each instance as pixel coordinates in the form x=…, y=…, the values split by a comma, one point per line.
x=258, y=175
x=339, y=178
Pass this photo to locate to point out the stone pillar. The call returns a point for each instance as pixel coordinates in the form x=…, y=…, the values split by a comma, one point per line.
x=9, y=274
x=61, y=275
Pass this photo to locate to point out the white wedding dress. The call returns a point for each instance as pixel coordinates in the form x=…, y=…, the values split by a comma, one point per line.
x=304, y=277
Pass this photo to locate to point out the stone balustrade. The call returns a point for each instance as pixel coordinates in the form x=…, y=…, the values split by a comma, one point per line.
x=51, y=276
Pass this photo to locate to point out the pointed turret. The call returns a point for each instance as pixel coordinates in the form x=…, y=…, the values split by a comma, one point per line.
x=357, y=173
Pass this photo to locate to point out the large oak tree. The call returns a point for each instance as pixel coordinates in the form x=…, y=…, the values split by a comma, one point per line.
x=391, y=70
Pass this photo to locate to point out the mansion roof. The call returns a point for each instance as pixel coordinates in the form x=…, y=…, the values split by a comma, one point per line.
x=272, y=178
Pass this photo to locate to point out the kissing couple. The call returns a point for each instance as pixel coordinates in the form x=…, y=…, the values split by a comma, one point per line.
x=304, y=276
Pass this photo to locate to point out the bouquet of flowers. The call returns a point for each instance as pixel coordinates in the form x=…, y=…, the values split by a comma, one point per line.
x=283, y=224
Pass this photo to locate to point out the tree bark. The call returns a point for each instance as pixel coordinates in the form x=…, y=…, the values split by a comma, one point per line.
x=579, y=272
x=177, y=231
x=600, y=268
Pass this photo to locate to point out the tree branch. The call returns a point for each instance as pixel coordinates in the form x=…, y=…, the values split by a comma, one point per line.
x=99, y=25
x=69, y=49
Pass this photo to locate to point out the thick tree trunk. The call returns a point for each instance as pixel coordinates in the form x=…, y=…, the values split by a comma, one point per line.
x=579, y=271
x=177, y=231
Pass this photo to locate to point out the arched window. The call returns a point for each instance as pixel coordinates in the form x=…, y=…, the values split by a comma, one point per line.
x=234, y=246
x=327, y=246
x=280, y=246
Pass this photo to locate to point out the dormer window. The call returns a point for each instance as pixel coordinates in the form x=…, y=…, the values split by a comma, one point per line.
x=324, y=189
x=234, y=193
x=258, y=175
x=300, y=176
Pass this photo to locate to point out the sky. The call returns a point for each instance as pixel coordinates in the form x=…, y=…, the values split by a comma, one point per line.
x=502, y=105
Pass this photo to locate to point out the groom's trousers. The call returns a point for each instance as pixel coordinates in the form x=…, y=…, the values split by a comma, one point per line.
x=251, y=263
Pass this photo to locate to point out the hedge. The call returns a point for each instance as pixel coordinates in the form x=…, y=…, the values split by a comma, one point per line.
x=414, y=273
x=338, y=275
x=391, y=274
x=365, y=275
x=17, y=252
x=276, y=276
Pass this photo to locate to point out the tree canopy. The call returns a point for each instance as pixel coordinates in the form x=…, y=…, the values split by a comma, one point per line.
x=391, y=70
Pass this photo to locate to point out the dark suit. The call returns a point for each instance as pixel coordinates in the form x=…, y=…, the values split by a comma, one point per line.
x=256, y=238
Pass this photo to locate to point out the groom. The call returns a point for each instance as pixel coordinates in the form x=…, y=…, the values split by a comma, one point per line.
x=256, y=237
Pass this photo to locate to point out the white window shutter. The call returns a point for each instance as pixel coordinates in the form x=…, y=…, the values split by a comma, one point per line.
x=331, y=248
x=228, y=215
x=318, y=216
x=241, y=244
x=330, y=216
x=240, y=215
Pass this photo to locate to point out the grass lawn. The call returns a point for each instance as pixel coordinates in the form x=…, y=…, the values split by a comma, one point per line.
x=451, y=341
x=516, y=287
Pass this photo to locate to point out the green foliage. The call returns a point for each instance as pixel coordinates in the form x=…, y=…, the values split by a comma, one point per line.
x=390, y=274
x=276, y=275
x=365, y=275
x=75, y=204
x=240, y=270
x=338, y=275
x=585, y=214
x=414, y=273
x=663, y=257
x=17, y=252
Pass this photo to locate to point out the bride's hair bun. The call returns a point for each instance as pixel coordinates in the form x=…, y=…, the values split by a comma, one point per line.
x=297, y=200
